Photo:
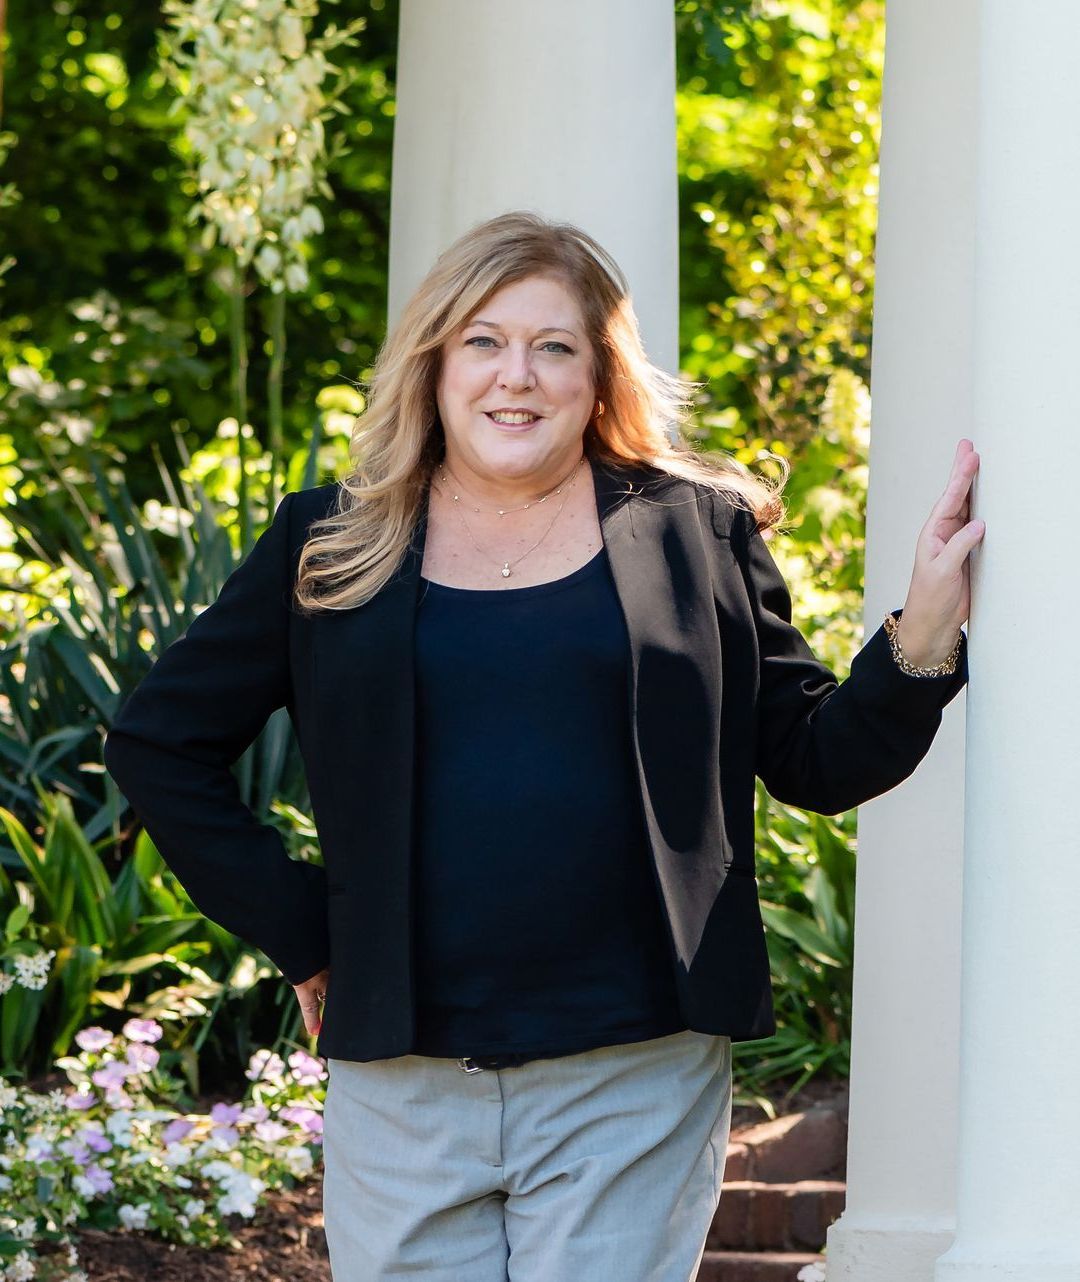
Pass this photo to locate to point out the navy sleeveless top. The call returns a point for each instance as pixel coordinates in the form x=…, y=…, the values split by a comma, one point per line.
x=539, y=925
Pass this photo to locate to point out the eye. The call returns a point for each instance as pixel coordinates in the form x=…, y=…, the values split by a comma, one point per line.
x=483, y=338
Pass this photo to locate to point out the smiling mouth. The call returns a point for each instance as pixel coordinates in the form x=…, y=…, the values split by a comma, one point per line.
x=514, y=426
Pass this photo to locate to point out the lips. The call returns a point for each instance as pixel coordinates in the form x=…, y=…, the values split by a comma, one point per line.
x=512, y=427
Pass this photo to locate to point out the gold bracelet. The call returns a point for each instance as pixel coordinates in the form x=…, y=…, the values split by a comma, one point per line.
x=946, y=668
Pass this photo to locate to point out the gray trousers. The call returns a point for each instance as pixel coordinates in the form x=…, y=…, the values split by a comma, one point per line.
x=604, y=1164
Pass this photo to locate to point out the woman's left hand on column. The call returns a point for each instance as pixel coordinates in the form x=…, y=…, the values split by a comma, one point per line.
x=939, y=597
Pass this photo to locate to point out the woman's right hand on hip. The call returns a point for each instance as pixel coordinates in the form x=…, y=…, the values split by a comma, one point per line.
x=310, y=994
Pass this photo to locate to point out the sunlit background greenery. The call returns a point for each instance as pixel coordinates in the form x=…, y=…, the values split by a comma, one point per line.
x=119, y=463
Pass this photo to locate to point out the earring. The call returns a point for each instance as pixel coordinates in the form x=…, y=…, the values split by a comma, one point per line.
x=600, y=411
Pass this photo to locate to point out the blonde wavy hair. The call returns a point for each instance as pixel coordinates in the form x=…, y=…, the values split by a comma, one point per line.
x=397, y=441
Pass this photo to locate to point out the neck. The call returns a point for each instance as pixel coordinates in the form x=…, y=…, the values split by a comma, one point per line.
x=508, y=491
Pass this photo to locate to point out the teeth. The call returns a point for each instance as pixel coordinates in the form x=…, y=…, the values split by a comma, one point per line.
x=514, y=418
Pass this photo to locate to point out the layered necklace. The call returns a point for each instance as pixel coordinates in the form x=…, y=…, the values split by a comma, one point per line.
x=566, y=483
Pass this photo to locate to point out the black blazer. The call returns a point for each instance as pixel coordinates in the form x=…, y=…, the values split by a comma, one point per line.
x=722, y=687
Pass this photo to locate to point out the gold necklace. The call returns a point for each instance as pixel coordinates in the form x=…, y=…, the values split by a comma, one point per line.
x=506, y=571
x=502, y=511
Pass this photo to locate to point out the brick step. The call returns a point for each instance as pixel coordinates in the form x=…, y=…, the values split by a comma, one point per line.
x=748, y=1266
x=758, y=1216
x=799, y=1146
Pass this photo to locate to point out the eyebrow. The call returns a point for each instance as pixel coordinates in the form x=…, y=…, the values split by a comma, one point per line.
x=549, y=329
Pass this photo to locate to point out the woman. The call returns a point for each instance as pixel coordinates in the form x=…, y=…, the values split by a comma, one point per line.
x=535, y=655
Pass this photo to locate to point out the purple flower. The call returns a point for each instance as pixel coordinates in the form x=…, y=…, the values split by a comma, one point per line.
x=226, y=1114
x=266, y=1066
x=76, y=1150
x=306, y=1118
x=38, y=1149
x=117, y=1097
x=176, y=1130
x=80, y=1100
x=142, y=1030
x=100, y=1178
x=270, y=1132
x=306, y=1068
x=93, y=1038
x=94, y=1139
x=142, y=1058
x=114, y=1073
x=255, y=1113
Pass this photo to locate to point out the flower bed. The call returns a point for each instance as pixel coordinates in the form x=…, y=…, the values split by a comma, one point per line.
x=107, y=1154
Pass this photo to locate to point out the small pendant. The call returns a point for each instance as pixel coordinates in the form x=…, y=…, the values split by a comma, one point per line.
x=506, y=570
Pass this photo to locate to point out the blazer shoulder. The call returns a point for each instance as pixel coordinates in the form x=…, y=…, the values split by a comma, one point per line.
x=723, y=509
x=314, y=503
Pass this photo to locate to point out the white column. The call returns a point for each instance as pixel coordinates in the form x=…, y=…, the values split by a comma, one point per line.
x=563, y=108
x=901, y=1152
x=1019, y=1160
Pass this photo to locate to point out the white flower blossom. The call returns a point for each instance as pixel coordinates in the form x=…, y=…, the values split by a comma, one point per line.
x=254, y=95
x=299, y=1161
x=25, y=1230
x=32, y=969
x=118, y=1125
x=21, y=1268
x=176, y=1154
x=134, y=1217
x=7, y=981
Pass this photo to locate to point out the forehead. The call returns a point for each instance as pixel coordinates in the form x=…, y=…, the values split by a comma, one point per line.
x=543, y=300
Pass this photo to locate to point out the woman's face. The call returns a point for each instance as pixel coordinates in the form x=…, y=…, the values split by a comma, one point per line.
x=524, y=349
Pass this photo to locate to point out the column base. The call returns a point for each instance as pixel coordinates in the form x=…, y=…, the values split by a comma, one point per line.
x=987, y=1263
x=864, y=1248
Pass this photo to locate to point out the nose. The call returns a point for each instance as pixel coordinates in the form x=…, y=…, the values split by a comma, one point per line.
x=515, y=368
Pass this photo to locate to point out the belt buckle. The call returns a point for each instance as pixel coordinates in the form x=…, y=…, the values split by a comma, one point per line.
x=468, y=1065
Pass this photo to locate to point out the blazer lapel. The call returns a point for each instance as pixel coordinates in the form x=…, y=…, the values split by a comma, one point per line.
x=662, y=576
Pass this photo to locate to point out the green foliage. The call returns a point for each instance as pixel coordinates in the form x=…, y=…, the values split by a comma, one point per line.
x=9, y=193
x=126, y=941
x=101, y=932
x=107, y=213
x=107, y=601
x=778, y=188
x=806, y=875
x=778, y=124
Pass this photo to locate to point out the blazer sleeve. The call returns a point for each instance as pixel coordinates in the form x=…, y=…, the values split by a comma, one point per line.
x=177, y=734
x=822, y=744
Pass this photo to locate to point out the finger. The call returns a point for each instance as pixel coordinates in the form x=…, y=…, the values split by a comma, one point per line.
x=312, y=1018
x=957, y=491
x=310, y=997
x=960, y=546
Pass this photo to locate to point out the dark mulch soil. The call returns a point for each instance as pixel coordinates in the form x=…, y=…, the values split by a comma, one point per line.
x=285, y=1241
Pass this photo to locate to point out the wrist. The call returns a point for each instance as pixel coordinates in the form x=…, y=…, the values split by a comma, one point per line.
x=924, y=649
x=943, y=667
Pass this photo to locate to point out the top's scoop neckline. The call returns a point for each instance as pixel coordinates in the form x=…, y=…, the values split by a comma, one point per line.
x=530, y=589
